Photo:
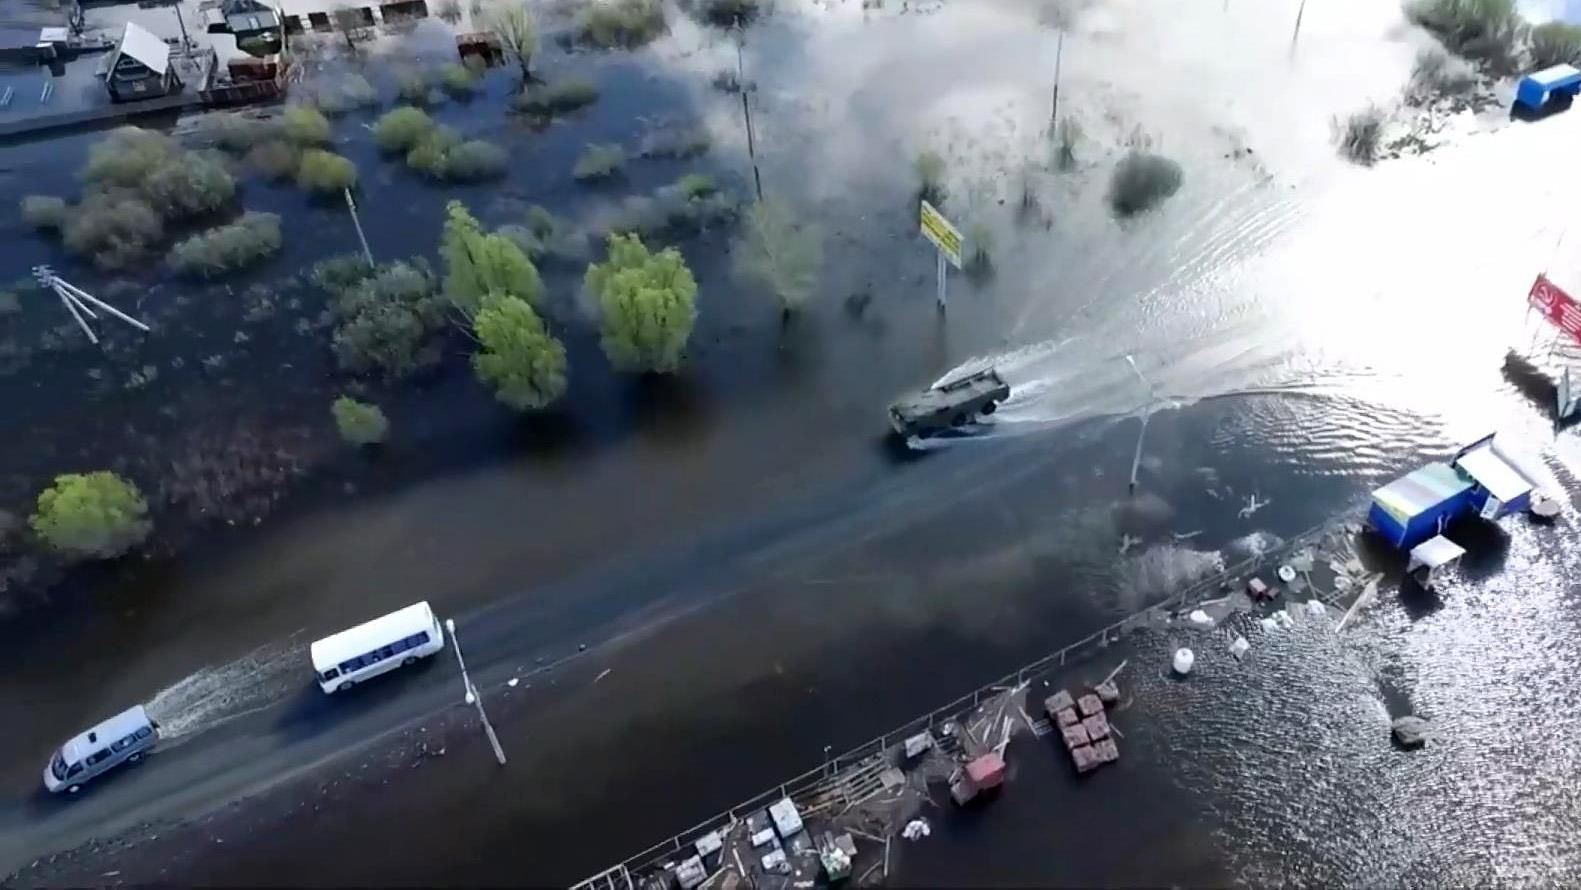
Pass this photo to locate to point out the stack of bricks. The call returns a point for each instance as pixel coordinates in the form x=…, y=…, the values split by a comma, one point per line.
x=1085, y=728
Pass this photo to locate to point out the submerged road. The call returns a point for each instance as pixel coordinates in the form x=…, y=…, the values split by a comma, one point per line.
x=948, y=580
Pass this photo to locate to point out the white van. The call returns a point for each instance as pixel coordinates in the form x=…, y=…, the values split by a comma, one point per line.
x=121, y=739
x=376, y=647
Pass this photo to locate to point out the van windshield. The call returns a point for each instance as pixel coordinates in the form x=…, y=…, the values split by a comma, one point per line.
x=58, y=766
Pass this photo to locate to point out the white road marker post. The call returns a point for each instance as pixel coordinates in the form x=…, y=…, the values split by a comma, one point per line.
x=472, y=696
x=357, y=221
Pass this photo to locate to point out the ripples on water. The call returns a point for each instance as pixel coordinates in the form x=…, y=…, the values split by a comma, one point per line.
x=212, y=696
x=1290, y=751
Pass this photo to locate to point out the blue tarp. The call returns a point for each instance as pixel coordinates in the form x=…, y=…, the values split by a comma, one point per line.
x=1535, y=89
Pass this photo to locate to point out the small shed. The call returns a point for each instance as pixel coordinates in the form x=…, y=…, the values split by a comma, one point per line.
x=1500, y=488
x=1536, y=89
x=140, y=67
x=786, y=820
x=1431, y=558
x=1419, y=504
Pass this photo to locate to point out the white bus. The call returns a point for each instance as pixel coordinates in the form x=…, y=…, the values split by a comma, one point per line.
x=376, y=647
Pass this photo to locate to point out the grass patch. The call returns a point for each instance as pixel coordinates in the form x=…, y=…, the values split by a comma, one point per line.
x=44, y=212
x=620, y=24
x=247, y=241
x=599, y=161
x=325, y=172
x=1555, y=43
x=1141, y=181
x=558, y=98
x=1360, y=134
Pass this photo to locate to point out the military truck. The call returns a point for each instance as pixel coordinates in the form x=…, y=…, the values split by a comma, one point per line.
x=949, y=406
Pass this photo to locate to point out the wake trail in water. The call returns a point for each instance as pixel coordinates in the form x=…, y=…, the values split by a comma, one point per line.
x=213, y=696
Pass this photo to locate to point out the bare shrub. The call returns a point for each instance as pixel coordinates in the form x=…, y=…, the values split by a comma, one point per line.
x=599, y=161
x=1435, y=73
x=1360, y=134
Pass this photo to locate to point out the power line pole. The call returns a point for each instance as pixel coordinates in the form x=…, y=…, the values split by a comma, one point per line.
x=746, y=109
x=356, y=221
x=472, y=696
x=1296, y=34
x=1059, y=50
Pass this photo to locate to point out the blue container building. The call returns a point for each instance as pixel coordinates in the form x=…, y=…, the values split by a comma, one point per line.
x=1420, y=504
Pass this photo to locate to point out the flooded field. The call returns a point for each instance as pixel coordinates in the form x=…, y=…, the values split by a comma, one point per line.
x=1294, y=328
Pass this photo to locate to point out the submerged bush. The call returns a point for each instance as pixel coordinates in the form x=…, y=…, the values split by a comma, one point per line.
x=237, y=133
x=729, y=13
x=429, y=154
x=359, y=423
x=306, y=125
x=400, y=129
x=459, y=80
x=1141, y=181
x=561, y=97
x=620, y=24
x=474, y=160
x=1360, y=134
x=386, y=322
x=275, y=159
x=647, y=305
x=253, y=237
x=1435, y=74
x=91, y=515
x=599, y=161
x=675, y=142
x=518, y=358
x=547, y=237
x=336, y=273
x=113, y=231
x=323, y=171
x=778, y=254
x=189, y=185
x=44, y=211
x=128, y=156
x=350, y=92
x=929, y=166
x=415, y=87
x=1555, y=43
x=1484, y=30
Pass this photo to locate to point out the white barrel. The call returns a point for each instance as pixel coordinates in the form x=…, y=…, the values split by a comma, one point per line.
x=1184, y=659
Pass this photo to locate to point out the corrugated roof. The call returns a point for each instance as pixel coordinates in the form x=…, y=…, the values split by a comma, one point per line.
x=1501, y=478
x=141, y=44
x=1420, y=490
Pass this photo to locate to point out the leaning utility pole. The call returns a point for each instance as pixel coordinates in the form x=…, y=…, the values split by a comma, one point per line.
x=1059, y=50
x=79, y=302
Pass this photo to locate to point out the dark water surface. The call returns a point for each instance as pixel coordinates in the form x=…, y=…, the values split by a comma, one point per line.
x=1305, y=329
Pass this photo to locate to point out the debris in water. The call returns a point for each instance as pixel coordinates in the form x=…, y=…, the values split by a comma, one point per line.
x=1253, y=505
x=1199, y=618
x=1411, y=731
x=602, y=674
x=512, y=682
x=1184, y=659
x=1287, y=573
x=1127, y=542
x=1239, y=647
x=1316, y=609
x=916, y=829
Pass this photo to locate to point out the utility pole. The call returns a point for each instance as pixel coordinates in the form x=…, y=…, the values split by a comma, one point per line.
x=186, y=41
x=356, y=221
x=1294, y=35
x=746, y=109
x=80, y=303
x=1136, y=459
x=472, y=696
x=1059, y=50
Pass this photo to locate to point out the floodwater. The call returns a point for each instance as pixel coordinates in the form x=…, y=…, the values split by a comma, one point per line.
x=1297, y=330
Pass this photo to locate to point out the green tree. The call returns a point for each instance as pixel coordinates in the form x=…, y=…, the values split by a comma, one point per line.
x=359, y=423
x=306, y=125
x=779, y=255
x=647, y=303
x=387, y=321
x=479, y=263
x=325, y=172
x=92, y=515
x=520, y=359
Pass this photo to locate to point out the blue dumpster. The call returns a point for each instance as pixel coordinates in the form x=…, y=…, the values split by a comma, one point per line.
x=1537, y=88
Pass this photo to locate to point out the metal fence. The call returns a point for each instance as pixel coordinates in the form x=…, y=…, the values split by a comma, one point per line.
x=620, y=875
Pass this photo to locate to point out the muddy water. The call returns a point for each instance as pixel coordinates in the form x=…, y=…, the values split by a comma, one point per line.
x=1329, y=324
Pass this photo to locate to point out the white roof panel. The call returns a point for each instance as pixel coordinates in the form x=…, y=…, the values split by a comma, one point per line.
x=141, y=44
x=53, y=35
x=1494, y=473
x=1435, y=552
x=370, y=635
x=112, y=730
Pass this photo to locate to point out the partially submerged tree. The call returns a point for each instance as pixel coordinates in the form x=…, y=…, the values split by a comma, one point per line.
x=323, y=171
x=599, y=161
x=647, y=305
x=479, y=263
x=1141, y=181
x=306, y=125
x=1360, y=134
x=114, y=231
x=518, y=34
x=250, y=239
x=929, y=166
x=92, y=515
x=623, y=24
x=779, y=255
x=359, y=423
x=400, y=129
x=1484, y=30
x=1555, y=43
x=519, y=358
x=44, y=212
